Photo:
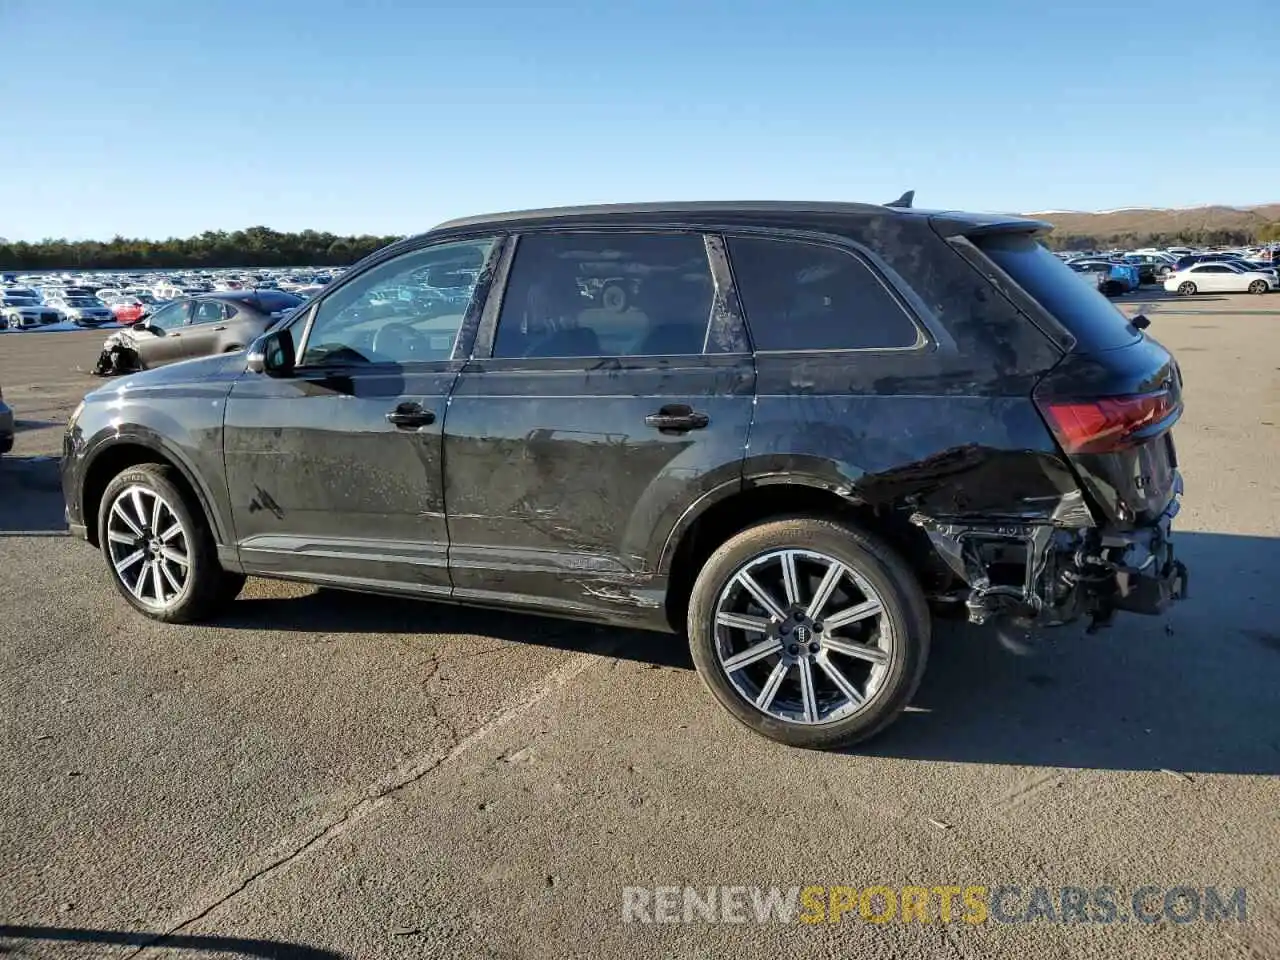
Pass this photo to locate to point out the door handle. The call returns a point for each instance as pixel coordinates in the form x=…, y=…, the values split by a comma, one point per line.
x=677, y=418
x=411, y=415
x=221, y=327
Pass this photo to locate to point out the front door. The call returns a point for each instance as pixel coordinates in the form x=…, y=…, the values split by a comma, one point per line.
x=162, y=341
x=602, y=411
x=335, y=473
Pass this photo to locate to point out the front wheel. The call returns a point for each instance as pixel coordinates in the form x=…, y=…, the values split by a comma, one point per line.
x=810, y=632
x=159, y=550
x=1258, y=286
x=1186, y=289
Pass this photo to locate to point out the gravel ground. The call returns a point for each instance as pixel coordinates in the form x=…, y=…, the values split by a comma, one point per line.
x=318, y=776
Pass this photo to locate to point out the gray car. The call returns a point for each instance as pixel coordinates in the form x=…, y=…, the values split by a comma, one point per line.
x=195, y=327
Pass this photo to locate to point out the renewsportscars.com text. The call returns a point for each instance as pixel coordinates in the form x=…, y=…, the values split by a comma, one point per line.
x=972, y=904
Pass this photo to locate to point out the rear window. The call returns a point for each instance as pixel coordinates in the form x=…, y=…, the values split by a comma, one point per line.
x=1089, y=316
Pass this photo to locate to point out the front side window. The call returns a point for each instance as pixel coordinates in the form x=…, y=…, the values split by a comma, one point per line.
x=406, y=310
x=606, y=295
x=809, y=296
x=171, y=316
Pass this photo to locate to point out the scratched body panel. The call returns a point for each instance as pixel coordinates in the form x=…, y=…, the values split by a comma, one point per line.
x=558, y=493
x=175, y=411
x=322, y=485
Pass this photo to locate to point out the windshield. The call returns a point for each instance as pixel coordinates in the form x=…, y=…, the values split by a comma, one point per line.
x=82, y=302
x=1089, y=316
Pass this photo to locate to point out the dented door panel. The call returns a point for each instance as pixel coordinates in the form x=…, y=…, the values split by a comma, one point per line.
x=322, y=486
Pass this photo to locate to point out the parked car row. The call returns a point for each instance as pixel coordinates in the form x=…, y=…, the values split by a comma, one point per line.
x=35, y=301
x=1236, y=271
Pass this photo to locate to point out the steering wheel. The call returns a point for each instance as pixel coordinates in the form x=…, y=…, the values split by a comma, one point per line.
x=396, y=341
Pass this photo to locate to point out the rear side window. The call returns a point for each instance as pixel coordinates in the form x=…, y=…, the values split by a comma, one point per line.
x=809, y=296
x=606, y=295
x=1090, y=317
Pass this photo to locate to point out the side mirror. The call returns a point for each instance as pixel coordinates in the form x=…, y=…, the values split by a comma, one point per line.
x=272, y=354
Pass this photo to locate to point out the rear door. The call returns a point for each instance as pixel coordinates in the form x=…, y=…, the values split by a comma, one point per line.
x=208, y=323
x=1214, y=278
x=610, y=389
x=163, y=340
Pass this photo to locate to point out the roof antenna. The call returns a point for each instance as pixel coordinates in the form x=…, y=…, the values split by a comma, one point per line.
x=903, y=201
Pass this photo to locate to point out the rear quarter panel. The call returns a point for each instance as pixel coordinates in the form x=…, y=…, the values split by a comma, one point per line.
x=948, y=428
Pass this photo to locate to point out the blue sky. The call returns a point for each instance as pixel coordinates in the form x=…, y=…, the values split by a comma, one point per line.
x=159, y=119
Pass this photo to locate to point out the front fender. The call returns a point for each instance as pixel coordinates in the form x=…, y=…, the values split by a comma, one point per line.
x=185, y=430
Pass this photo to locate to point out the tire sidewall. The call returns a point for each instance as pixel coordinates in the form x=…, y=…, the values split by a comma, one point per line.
x=904, y=608
x=203, y=567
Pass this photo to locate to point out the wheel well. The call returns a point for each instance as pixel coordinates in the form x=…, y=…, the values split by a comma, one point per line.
x=756, y=505
x=111, y=463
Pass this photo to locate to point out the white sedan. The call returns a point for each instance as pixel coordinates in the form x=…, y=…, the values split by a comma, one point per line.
x=1220, y=276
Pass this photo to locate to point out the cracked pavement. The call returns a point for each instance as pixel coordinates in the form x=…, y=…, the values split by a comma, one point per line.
x=320, y=775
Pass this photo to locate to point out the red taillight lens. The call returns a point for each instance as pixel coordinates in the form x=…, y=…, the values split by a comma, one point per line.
x=1104, y=424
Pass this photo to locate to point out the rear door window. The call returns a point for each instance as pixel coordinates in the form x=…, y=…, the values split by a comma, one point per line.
x=1090, y=317
x=799, y=295
x=606, y=295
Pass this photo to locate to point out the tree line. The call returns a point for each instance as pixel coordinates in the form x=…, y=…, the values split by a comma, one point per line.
x=252, y=247
x=264, y=247
x=1231, y=237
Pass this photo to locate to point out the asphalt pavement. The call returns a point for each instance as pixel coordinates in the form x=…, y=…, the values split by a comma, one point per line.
x=319, y=775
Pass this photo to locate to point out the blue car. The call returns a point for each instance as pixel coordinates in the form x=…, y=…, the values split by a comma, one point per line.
x=1121, y=277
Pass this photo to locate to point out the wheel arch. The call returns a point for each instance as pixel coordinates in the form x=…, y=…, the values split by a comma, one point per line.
x=726, y=511
x=132, y=450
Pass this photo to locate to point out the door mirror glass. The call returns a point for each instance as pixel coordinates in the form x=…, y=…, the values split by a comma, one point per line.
x=272, y=354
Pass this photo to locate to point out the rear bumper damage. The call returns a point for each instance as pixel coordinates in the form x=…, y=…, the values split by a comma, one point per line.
x=1049, y=573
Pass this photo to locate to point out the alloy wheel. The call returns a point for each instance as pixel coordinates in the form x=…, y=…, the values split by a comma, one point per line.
x=150, y=548
x=802, y=637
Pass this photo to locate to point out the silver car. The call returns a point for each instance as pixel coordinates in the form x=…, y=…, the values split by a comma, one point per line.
x=19, y=312
x=83, y=311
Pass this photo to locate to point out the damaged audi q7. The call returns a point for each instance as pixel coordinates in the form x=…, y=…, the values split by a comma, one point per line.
x=806, y=429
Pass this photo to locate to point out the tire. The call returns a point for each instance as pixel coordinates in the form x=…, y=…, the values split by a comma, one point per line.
x=614, y=298
x=1258, y=287
x=897, y=632
x=188, y=591
x=1186, y=289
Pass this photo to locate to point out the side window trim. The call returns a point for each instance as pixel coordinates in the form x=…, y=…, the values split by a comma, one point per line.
x=487, y=337
x=913, y=311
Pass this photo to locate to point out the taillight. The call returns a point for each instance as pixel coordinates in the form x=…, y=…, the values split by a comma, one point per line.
x=1106, y=424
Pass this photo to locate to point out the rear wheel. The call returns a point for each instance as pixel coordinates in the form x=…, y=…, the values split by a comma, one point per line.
x=159, y=550
x=1258, y=286
x=809, y=632
x=1186, y=288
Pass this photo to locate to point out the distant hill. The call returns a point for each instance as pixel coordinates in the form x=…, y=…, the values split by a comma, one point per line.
x=1142, y=226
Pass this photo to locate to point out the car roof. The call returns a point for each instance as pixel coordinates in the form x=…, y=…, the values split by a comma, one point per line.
x=719, y=210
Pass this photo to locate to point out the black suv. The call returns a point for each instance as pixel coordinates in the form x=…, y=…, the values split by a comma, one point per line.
x=791, y=430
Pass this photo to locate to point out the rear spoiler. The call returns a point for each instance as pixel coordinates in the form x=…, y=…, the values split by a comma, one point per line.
x=949, y=225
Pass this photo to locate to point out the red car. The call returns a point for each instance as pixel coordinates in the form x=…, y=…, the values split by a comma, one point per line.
x=128, y=311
